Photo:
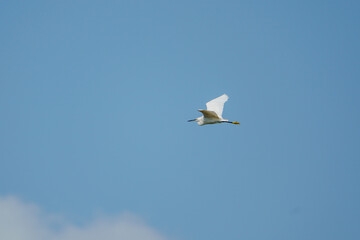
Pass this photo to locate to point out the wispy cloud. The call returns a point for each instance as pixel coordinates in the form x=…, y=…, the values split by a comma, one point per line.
x=22, y=221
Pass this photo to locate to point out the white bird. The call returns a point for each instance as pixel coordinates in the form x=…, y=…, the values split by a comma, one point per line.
x=213, y=114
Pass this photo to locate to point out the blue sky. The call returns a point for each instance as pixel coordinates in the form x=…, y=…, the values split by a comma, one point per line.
x=94, y=98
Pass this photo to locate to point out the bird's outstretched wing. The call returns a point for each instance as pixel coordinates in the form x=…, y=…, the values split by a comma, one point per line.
x=217, y=104
x=210, y=114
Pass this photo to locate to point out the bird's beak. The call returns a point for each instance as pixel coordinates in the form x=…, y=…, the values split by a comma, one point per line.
x=191, y=120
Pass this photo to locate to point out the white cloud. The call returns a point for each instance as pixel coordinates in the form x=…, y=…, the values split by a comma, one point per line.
x=22, y=221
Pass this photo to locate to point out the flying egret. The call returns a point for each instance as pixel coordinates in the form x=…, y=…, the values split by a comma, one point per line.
x=213, y=114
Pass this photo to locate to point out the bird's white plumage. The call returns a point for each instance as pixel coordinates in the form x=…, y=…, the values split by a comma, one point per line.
x=217, y=104
x=210, y=114
x=213, y=114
